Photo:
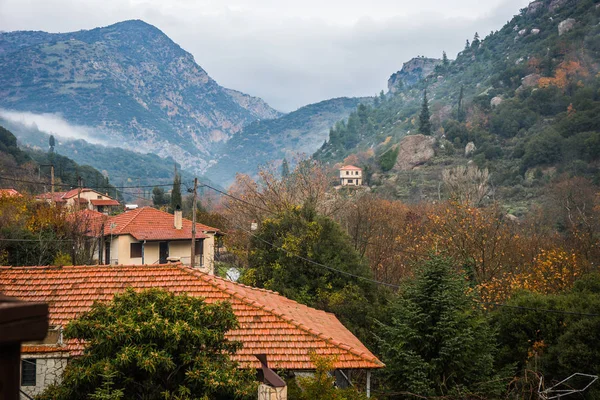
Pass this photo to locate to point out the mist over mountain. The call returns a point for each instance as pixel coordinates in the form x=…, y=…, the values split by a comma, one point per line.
x=129, y=84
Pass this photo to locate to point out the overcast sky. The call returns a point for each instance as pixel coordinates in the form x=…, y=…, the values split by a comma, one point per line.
x=289, y=52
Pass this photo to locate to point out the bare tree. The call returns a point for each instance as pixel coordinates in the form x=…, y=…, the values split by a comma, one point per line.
x=468, y=185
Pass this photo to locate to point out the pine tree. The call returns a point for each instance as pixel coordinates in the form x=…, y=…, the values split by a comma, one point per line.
x=476, y=40
x=438, y=342
x=445, y=61
x=51, y=143
x=424, y=122
x=467, y=45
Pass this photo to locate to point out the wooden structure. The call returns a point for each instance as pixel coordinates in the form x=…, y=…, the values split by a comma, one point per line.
x=19, y=322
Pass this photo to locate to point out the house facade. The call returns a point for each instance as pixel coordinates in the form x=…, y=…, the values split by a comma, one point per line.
x=350, y=176
x=285, y=331
x=89, y=199
x=150, y=236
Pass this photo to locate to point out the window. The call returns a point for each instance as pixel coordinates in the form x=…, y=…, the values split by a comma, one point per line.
x=99, y=197
x=347, y=172
x=350, y=181
x=135, y=250
x=199, y=250
x=28, y=372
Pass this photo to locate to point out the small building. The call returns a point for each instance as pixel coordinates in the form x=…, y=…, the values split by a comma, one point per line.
x=88, y=199
x=351, y=176
x=285, y=331
x=9, y=193
x=150, y=236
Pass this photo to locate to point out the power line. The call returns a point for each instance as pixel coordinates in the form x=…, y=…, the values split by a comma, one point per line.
x=73, y=186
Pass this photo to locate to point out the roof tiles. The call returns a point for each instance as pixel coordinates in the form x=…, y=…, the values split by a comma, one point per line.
x=269, y=323
x=148, y=223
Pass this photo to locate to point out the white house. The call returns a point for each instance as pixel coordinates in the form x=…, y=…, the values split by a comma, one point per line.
x=350, y=176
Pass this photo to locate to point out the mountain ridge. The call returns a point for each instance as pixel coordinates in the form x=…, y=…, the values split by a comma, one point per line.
x=130, y=82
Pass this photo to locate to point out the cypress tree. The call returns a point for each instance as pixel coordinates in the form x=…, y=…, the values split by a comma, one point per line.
x=285, y=168
x=176, y=193
x=424, y=123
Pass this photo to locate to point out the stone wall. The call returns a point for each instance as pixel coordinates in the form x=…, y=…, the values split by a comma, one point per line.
x=49, y=369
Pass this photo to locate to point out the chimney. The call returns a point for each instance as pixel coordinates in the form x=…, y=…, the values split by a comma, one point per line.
x=178, y=219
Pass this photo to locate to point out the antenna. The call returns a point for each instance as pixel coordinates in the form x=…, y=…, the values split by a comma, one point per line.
x=556, y=392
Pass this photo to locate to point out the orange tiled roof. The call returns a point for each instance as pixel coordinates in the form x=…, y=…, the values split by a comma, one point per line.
x=148, y=223
x=269, y=323
x=350, y=167
x=64, y=196
x=100, y=202
x=42, y=348
x=9, y=192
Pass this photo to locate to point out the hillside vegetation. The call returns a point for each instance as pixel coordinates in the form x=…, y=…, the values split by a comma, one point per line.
x=527, y=96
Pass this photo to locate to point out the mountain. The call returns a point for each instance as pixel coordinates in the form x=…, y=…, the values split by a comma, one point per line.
x=525, y=99
x=131, y=83
x=299, y=132
x=412, y=72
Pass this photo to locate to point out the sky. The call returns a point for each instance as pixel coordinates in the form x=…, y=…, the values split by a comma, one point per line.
x=288, y=52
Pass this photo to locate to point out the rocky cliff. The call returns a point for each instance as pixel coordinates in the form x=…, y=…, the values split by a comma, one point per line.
x=412, y=71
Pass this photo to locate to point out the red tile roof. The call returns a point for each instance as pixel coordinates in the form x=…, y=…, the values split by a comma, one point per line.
x=100, y=202
x=9, y=192
x=64, y=196
x=148, y=223
x=350, y=167
x=269, y=323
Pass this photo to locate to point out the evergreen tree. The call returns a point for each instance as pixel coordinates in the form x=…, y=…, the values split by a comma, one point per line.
x=159, y=197
x=154, y=345
x=285, y=168
x=52, y=143
x=445, y=61
x=424, y=122
x=467, y=45
x=304, y=233
x=176, y=193
x=438, y=341
x=476, y=40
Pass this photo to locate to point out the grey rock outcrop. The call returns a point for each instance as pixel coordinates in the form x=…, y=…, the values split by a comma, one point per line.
x=412, y=71
x=470, y=149
x=496, y=101
x=556, y=4
x=414, y=150
x=565, y=26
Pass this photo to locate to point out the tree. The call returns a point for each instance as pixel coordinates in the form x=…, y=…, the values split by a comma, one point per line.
x=287, y=255
x=424, y=122
x=468, y=185
x=438, y=343
x=445, y=61
x=285, y=168
x=176, y=193
x=51, y=143
x=467, y=45
x=159, y=197
x=476, y=40
x=154, y=345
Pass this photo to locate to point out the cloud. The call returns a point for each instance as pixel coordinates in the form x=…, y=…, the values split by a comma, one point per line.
x=289, y=52
x=53, y=124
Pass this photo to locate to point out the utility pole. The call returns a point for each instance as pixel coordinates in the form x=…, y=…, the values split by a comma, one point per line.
x=52, y=177
x=195, y=192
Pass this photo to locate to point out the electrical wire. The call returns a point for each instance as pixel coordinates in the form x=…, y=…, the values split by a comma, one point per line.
x=366, y=279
